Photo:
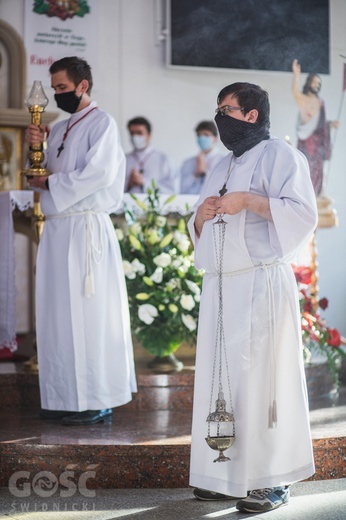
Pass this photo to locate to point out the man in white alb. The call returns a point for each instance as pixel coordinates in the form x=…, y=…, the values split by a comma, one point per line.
x=145, y=164
x=195, y=169
x=264, y=192
x=84, y=345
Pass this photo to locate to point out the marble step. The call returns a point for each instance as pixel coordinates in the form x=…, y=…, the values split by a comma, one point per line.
x=147, y=444
x=137, y=448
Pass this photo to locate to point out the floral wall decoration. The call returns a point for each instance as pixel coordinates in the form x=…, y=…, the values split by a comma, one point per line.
x=162, y=283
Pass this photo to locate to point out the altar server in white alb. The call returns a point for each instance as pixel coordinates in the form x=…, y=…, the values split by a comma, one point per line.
x=145, y=164
x=270, y=213
x=196, y=169
x=84, y=345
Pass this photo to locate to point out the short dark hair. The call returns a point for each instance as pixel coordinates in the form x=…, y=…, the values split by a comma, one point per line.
x=207, y=125
x=140, y=121
x=249, y=97
x=77, y=69
x=308, y=82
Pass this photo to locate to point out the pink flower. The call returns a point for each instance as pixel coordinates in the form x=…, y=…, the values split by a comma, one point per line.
x=303, y=274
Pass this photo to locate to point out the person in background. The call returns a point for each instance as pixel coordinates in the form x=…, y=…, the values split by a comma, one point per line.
x=84, y=345
x=195, y=169
x=263, y=191
x=145, y=164
x=313, y=129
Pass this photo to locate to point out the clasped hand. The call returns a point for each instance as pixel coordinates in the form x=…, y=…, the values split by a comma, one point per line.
x=230, y=204
x=136, y=178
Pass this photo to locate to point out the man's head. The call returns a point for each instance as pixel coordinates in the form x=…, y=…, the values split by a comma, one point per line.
x=72, y=82
x=242, y=116
x=206, y=126
x=313, y=84
x=140, y=132
x=247, y=102
x=206, y=135
x=76, y=70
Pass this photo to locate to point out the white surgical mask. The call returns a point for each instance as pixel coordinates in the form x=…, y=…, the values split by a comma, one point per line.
x=139, y=141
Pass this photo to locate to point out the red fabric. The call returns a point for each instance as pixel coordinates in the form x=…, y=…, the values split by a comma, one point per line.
x=5, y=353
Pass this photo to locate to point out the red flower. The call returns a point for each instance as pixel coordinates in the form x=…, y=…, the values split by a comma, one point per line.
x=307, y=306
x=333, y=338
x=323, y=303
x=303, y=274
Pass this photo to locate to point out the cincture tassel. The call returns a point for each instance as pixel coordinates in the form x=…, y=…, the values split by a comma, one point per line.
x=89, y=285
x=272, y=416
x=91, y=251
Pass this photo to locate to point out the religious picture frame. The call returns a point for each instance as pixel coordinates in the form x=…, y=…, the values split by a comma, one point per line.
x=10, y=158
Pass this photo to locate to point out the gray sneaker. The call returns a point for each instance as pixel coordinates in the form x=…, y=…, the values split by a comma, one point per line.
x=204, y=494
x=262, y=500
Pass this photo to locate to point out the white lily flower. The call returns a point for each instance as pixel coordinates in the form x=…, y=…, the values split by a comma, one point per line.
x=162, y=260
x=193, y=287
x=189, y=322
x=177, y=262
x=128, y=270
x=184, y=245
x=147, y=313
x=187, y=302
x=138, y=267
x=161, y=221
x=157, y=275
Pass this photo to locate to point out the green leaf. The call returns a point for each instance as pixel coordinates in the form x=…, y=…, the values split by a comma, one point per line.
x=139, y=203
x=169, y=199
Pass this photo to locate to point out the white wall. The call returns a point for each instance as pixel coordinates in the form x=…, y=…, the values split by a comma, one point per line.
x=132, y=79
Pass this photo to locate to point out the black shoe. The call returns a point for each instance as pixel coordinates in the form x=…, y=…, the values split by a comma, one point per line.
x=204, y=494
x=88, y=417
x=54, y=414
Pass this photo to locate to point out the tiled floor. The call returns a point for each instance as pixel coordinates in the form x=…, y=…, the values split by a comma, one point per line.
x=323, y=500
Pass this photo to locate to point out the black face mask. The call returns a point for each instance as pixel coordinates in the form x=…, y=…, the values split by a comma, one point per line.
x=68, y=101
x=238, y=135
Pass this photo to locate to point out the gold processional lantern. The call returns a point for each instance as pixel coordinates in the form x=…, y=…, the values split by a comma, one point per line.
x=221, y=423
x=36, y=102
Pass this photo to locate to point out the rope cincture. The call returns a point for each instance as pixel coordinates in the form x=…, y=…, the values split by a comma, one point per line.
x=93, y=253
x=272, y=409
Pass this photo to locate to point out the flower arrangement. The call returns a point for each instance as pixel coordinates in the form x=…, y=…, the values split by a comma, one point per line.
x=317, y=336
x=162, y=283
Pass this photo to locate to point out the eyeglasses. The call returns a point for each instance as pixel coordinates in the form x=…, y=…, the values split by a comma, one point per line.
x=226, y=109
